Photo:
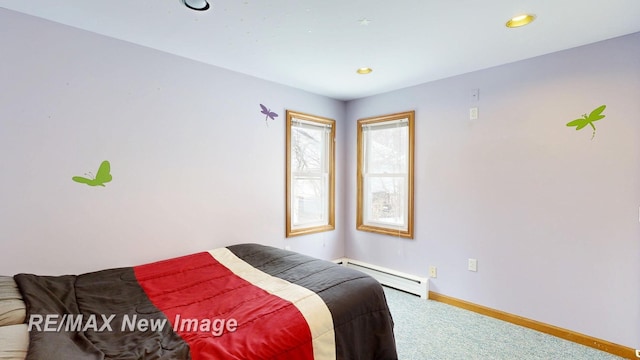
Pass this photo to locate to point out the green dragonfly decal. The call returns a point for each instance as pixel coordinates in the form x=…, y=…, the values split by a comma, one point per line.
x=102, y=176
x=585, y=120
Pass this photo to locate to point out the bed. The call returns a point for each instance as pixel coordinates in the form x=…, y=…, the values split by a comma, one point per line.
x=245, y=301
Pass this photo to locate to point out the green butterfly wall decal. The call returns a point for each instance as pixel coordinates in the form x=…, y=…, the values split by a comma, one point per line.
x=102, y=176
x=595, y=115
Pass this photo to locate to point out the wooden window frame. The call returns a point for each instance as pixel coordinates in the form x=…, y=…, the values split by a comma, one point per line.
x=291, y=229
x=361, y=224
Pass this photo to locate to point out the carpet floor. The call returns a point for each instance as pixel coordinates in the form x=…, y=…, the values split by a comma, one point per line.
x=430, y=330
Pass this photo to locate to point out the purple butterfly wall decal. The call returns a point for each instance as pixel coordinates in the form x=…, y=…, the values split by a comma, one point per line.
x=269, y=114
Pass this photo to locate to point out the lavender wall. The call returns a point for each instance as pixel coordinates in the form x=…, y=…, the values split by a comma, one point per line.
x=194, y=165
x=551, y=215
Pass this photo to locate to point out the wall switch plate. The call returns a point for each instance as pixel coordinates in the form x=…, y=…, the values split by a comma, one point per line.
x=433, y=272
x=473, y=265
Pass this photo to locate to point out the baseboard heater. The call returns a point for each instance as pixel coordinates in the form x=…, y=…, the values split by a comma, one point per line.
x=410, y=283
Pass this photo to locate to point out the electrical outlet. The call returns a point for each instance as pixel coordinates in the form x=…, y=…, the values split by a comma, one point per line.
x=433, y=272
x=473, y=113
x=473, y=265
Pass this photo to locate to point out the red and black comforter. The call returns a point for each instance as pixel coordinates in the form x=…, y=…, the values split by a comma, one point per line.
x=240, y=302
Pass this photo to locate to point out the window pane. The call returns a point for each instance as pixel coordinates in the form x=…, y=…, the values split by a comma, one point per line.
x=308, y=148
x=385, y=201
x=309, y=205
x=386, y=150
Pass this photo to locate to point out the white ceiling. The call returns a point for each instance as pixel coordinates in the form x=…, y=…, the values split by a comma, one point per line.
x=317, y=45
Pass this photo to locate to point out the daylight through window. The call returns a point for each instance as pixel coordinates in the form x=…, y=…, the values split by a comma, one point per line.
x=385, y=174
x=310, y=174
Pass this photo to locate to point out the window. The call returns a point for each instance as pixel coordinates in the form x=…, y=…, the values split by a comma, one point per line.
x=310, y=174
x=385, y=174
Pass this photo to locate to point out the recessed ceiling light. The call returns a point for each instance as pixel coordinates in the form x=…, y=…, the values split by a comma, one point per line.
x=520, y=20
x=364, y=70
x=199, y=5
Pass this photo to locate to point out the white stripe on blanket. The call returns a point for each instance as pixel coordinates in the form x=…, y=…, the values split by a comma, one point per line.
x=314, y=310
